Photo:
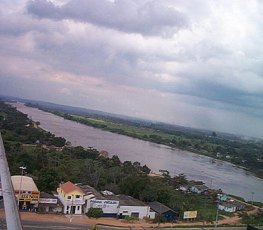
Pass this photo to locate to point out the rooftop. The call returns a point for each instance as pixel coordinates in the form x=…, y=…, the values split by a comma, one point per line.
x=228, y=205
x=159, y=207
x=47, y=195
x=88, y=190
x=201, y=186
x=126, y=200
x=70, y=187
x=24, y=183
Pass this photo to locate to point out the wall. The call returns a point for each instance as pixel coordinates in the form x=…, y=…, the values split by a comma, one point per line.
x=144, y=211
x=108, y=206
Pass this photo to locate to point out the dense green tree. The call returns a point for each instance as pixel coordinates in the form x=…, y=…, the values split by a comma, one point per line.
x=48, y=180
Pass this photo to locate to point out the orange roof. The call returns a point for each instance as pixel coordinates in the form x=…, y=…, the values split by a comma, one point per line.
x=70, y=187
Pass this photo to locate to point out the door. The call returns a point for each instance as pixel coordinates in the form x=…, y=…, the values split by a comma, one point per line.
x=73, y=209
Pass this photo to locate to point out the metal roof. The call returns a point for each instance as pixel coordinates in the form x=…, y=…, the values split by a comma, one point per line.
x=126, y=200
x=159, y=207
x=25, y=183
x=70, y=187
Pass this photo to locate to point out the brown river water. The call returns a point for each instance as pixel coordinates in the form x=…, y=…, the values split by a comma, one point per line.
x=216, y=174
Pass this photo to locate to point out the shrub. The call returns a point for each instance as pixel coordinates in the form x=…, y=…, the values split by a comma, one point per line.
x=95, y=227
x=95, y=212
x=159, y=218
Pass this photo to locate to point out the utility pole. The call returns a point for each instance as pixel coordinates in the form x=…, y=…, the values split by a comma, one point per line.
x=13, y=221
x=20, y=186
x=216, y=222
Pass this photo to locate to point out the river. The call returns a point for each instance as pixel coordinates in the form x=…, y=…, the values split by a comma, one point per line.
x=216, y=174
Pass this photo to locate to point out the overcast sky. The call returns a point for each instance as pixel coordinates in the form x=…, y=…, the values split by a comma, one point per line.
x=197, y=63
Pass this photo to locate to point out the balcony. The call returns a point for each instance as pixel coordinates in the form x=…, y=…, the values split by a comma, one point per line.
x=74, y=202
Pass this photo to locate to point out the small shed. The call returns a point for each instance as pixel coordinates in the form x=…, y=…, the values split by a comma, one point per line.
x=169, y=214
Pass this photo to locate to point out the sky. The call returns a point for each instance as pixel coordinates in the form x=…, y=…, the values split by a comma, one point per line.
x=196, y=63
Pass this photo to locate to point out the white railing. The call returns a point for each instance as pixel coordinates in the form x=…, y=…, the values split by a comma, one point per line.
x=73, y=202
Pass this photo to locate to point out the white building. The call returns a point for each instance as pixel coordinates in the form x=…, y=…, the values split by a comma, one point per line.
x=72, y=198
x=130, y=206
x=109, y=207
x=115, y=205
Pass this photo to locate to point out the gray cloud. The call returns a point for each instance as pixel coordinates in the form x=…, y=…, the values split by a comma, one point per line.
x=153, y=17
x=174, y=61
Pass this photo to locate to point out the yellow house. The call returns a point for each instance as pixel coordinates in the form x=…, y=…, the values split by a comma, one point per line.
x=72, y=198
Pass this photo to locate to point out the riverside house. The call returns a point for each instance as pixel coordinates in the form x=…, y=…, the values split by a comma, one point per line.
x=72, y=198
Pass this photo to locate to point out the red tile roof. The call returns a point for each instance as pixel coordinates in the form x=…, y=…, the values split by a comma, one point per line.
x=70, y=187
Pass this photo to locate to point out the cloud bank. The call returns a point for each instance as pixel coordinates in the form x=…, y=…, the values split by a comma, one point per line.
x=196, y=63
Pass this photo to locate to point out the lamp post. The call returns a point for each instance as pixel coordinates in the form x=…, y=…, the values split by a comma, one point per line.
x=216, y=222
x=19, y=192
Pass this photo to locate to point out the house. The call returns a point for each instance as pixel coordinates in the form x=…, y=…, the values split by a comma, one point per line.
x=169, y=214
x=90, y=193
x=239, y=206
x=184, y=188
x=222, y=197
x=72, y=198
x=104, y=153
x=227, y=207
x=26, y=192
x=198, y=188
x=48, y=203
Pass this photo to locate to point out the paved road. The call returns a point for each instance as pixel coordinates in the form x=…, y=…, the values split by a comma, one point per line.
x=40, y=225
x=35, y=225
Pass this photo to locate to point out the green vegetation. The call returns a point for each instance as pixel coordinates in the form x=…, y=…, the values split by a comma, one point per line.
x=159, y=218
x=246, y=153
x=17, y=128
x=256, y=219
x=130, y=218
x=49, y=165
x=95, y=213
x=95, y=227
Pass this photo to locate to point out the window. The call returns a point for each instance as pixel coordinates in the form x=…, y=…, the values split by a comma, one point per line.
x=135, y=214
x=69, y=197
x=77, y=196
x=125, y=212
x=78, y=208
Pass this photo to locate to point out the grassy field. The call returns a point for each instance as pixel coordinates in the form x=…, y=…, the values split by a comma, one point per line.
x=124, y=128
